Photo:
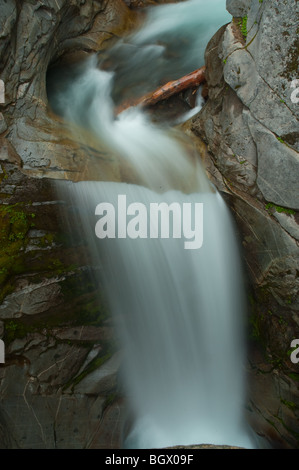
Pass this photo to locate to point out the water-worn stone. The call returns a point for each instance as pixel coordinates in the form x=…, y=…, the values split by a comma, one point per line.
x=101, y=379
x=278, y=181
x=288, y=222
x=34, y=298
x=268, y=106
x=51, y=421
x=84, y=333
x=237, y=7
x=275, y=410
x=3, y=125
x=275, y=49
x=45, y=145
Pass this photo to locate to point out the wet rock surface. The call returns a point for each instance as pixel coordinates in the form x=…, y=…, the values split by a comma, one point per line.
x=59, y=379
x=57, y=33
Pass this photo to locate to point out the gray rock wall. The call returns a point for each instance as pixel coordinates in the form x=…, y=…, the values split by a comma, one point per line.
x=58, y=386
x=261, y=72
x=250, y=126
x=35, y=35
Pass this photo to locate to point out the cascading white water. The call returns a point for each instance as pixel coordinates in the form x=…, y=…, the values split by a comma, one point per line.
x=179, y=311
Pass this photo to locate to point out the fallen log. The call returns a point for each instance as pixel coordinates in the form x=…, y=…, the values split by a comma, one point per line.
x=191, y=80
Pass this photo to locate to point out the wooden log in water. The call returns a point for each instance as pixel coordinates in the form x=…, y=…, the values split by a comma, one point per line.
x=164, y=92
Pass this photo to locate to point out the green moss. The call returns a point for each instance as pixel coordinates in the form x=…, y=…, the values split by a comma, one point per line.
x=16, y=329
x=255, y=326
x=280, y=209
x=90, y=314
x=80, y=283
x=46, y=240
x=294, y=376
x=281, y=320
x=243, y=26
x=16, y=220
x=3, y=175
x=254, y=320
x=292, y=406
x=56, y=267
x=277, y=362
x=14, y=226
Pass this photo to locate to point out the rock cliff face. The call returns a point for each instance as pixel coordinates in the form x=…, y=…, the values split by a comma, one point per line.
x=34, y=36
x=58, y=386
x=250, y=125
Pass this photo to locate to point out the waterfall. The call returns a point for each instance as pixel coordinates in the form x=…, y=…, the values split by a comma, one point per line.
x=175, y=291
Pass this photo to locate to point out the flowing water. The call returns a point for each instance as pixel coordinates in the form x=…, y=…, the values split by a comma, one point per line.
x=176, y=293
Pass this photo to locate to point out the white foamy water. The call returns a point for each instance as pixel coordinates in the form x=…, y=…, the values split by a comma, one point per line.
x=180, y=317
